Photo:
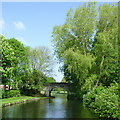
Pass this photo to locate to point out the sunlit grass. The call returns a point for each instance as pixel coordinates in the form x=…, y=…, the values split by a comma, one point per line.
x=18, y=99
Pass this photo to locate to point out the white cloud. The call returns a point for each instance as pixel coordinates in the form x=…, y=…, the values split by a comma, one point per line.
x=19, y=25
x=23, y=41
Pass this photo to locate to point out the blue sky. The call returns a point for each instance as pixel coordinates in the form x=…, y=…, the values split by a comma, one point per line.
x=32, y=22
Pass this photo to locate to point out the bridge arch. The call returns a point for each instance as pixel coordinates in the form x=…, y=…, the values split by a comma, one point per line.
x=50, y=86
x=50, y=91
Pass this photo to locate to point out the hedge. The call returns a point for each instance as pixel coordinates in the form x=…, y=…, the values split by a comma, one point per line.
x=10, y=93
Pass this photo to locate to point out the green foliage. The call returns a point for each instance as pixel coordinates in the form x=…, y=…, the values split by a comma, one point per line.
x=78, y=64
x=40, y=63
x=59, y=89
x=24, y=68
x=106, y=104
x=89, y=83
x=8, y=59
x=76, y=95
x=90, y=96
x=50, y=80
x=104, y=101
x=41, y=59
x=10, y=93
x=76, y=32
x=105, y=45
x=86, y=44
x=53, y=93
x=63, y=80
x=20, y=64
x=72, y=42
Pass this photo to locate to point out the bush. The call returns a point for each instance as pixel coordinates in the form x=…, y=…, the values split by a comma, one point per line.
x=90, y=96
x=10, y=93
x=89, y=83
x=29, y=92
x=103, y=101
x=106, y=104
x=3, y=93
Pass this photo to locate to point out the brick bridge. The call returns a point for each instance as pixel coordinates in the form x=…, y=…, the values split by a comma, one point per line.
x=48, y=87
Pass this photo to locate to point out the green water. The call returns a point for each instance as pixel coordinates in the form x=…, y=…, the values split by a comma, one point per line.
x=58, y=107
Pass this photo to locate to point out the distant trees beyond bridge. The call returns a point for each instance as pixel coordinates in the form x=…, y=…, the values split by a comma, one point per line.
x=48, y=87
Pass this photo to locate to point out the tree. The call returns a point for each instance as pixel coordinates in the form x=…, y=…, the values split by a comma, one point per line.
x=41, y=59
x=23, y=67
x=63, y=80
x=39, y=66
x=21, y=64
x=73, y=42
x=8, y=58
x=105, y=46
x=87, y=45
x=50, y=80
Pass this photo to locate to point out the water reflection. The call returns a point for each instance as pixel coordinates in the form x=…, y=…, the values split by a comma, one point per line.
x=58, y=107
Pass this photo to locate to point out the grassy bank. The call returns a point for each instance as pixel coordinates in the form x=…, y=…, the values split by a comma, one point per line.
x=15, y=100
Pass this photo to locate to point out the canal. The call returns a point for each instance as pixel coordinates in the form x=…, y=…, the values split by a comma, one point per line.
x=58, y=107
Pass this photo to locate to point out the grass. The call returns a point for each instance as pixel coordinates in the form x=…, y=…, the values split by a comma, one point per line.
x=18, y=99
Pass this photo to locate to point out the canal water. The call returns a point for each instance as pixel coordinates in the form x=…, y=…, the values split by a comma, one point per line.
x=58, y=107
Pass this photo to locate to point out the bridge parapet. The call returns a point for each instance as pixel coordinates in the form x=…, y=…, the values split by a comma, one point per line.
x=49, y=87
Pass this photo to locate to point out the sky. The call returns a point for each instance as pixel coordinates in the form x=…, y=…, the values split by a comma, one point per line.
x=32, y=23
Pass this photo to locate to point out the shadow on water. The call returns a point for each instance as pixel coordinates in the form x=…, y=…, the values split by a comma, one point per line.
x=59, y=107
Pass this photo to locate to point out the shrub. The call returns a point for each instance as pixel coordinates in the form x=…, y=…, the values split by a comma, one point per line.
x=29, y=92
x=89, y=83
x=3, y=93
x=90, y=96
x=10, y=93
x=106, y=104
x=103, y=101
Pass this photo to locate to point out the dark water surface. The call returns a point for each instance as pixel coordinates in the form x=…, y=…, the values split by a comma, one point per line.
x=58, y=107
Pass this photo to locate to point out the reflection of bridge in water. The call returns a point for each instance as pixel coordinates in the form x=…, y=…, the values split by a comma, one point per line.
x=48, y=87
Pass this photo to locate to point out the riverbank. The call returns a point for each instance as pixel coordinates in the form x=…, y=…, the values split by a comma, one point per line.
x=21, y=99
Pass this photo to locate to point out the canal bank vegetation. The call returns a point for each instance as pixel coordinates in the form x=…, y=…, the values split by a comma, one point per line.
x=21, y=99
x=24, y=69
x=87, y=46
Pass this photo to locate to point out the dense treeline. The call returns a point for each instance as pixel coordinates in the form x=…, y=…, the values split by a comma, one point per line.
x=87, y=45
x=25, y=68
